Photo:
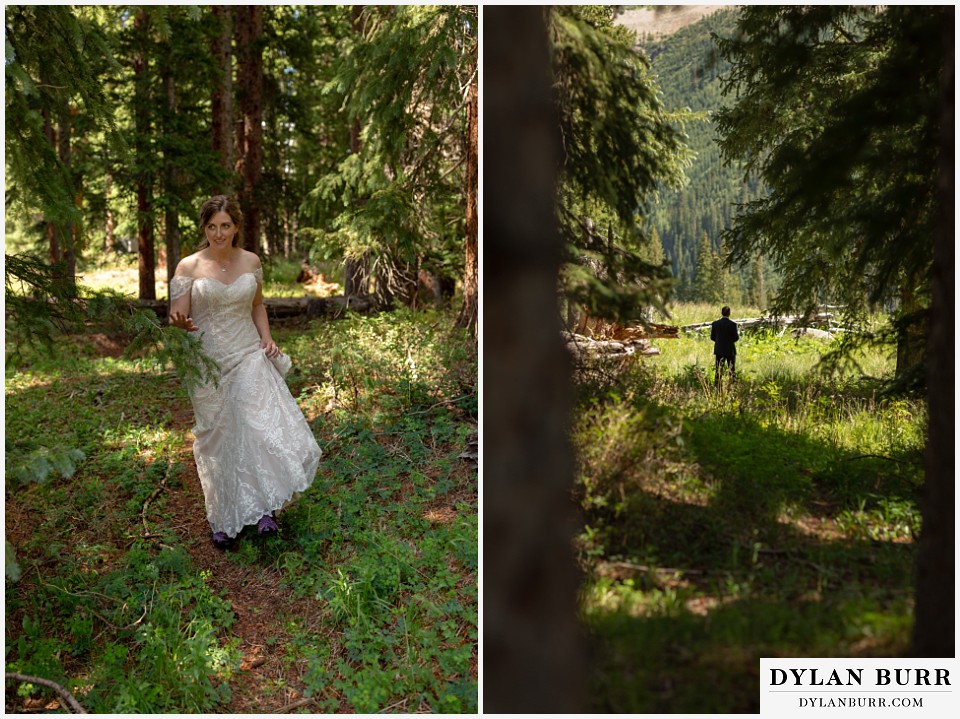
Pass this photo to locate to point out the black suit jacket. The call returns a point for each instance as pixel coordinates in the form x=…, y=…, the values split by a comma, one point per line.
x=724, y=334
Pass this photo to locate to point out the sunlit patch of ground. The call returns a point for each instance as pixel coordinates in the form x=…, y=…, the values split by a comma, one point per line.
x=125, y=280
x=822, y=528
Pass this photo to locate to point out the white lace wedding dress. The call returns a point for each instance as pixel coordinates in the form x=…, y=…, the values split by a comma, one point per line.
x=253, y=447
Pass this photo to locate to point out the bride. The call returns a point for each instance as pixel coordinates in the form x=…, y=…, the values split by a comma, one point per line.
x=253, y=447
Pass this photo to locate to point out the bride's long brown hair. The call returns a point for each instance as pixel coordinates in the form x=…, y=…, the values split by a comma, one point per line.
x=220, y=203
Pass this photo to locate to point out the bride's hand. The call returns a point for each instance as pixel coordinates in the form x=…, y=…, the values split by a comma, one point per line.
x=178, y=319
x=270, y=346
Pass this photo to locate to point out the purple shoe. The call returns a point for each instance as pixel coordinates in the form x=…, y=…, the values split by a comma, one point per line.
x=267, y=526
x=222, y=541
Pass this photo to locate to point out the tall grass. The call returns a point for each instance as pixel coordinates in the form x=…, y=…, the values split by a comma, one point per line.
x=773, y=516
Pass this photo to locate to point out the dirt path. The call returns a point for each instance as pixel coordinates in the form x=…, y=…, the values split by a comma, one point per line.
x=266, y=682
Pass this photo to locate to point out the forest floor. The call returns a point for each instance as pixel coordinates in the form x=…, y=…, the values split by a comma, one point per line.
x=367, y=601
x=776, y=517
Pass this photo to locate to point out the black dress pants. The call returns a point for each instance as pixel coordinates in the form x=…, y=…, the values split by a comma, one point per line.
x=722, y=360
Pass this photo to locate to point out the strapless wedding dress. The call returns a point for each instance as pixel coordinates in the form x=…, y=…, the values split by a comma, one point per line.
x=254, y=449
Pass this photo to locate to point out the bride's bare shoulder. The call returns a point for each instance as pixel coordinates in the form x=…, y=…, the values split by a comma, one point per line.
x=187, y=265
x=250, y=259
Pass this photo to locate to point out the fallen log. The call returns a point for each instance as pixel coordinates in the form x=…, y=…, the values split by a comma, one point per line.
x=650, y=331
x=282, y=308
x=823, y=318
x=812, y=332
x=581, y=346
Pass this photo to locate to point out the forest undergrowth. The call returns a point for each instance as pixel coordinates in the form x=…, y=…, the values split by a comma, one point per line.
x=366, y=602
x=775, y=516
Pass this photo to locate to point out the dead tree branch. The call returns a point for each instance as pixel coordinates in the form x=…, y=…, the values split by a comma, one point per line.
x=67, y=696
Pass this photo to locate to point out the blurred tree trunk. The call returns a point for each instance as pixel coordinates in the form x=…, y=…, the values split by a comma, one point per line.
x=145, y=250
x=249, y=27
x=532, y=643
x=935, y=613
x=221, y=99
x=471, y=293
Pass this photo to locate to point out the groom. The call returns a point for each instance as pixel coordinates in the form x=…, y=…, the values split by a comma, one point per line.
x=724, y=334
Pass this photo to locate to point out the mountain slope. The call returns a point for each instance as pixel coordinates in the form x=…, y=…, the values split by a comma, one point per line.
x=664, y=20
x=689, y=71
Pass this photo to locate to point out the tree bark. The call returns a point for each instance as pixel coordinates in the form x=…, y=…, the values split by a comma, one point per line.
x=145, y=249
x=471, y=288
x=53, y=244
x=221, y=99
x=68, y=248
x=935, y=613
x=532, y=642
x=249, y=26
x=171, y=218
x=356, y=270
x=108, y=239
x=911, y=338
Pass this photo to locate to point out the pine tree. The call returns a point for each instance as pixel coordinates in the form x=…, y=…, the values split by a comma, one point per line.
x=860, y=166
x=852, y=175
x=621, y=145
x=756, y=287
x=404, y=83
x=705, y=280
x=43, y=91
x=653, y=248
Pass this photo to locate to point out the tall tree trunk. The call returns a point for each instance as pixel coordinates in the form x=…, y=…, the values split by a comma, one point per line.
x=911, y=337
x=68, y=248
x=145, y=249
x=77, y=150
x=935, y=613
x=108, y=238
x=249, y=26
x=221, y=100
x=287, y=225
x=471, y=288
x=53, y=244
x=171, y=223
x=356, y=270
x=532, y=641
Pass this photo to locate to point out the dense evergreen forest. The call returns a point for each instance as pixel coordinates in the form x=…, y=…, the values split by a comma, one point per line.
x=349, y=137
x=689, y=221
x=344, y=131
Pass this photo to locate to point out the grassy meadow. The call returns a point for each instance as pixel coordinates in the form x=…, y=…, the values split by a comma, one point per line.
x=366, y=602
x=776, y=517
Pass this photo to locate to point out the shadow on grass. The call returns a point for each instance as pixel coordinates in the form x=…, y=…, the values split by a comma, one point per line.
x=762, y=470
x=688, y=663
x=753, y=567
